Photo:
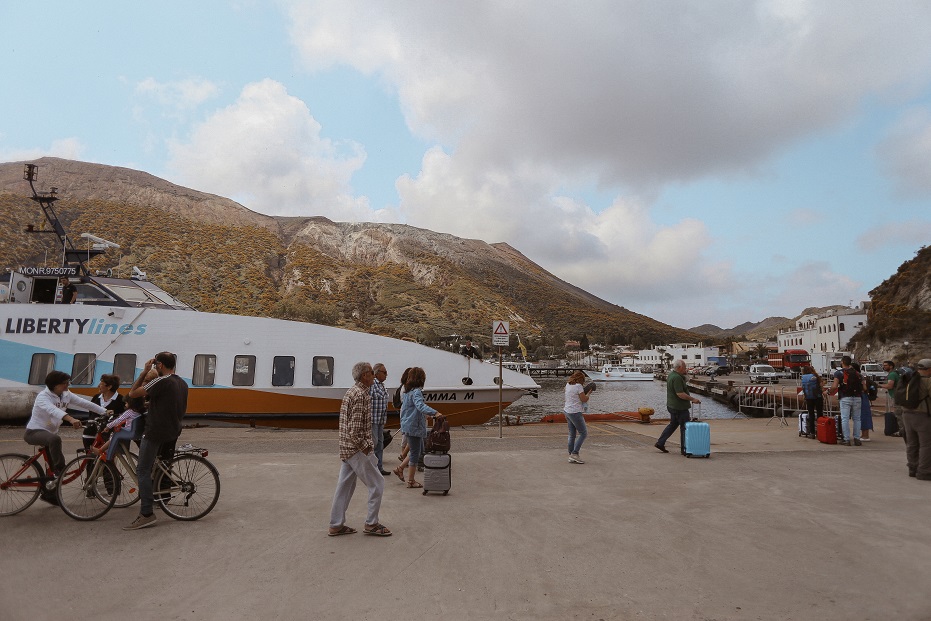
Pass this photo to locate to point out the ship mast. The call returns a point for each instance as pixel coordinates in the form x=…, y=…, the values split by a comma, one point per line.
x=70, y=254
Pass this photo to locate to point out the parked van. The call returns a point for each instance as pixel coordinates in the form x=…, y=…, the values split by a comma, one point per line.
x=764, y=374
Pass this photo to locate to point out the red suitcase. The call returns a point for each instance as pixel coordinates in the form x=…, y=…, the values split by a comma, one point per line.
x=827, y=430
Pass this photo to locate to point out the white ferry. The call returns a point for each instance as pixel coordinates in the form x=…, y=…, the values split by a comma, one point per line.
x=252, y=370
x=618, y=373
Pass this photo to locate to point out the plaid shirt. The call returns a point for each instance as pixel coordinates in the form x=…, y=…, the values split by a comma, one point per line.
x=355, y=422
x=379, y=403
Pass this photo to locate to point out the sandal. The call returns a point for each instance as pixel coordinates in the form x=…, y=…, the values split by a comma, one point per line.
x=378, y=530
x=399, y=472
x=414, y=484
x=342, y=530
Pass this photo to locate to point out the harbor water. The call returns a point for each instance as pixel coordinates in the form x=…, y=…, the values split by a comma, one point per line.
x=609, y=397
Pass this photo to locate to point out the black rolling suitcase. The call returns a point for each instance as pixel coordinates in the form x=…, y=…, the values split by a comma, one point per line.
x=437, y=470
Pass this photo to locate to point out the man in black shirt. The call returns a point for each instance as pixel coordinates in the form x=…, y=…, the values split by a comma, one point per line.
x=69, y=293
x=167, y=395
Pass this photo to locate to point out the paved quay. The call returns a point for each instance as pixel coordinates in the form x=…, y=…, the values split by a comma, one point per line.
x=772, y=526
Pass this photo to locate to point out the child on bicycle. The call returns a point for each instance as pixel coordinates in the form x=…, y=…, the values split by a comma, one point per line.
x=135, y=407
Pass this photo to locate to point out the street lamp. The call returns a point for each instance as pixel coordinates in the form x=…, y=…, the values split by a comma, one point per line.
x=868, y=359
x=906, y=346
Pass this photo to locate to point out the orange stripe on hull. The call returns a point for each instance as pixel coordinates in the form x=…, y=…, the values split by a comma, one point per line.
x=272, y=409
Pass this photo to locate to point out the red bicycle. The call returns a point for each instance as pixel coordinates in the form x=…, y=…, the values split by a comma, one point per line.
x=86, y=490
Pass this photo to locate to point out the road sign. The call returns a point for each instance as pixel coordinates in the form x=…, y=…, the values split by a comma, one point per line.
x=500, y=334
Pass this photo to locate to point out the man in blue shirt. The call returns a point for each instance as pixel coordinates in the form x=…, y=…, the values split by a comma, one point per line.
x=379, y=412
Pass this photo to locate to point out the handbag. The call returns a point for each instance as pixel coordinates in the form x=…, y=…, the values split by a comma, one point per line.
x=438, y=440
x=387, y=438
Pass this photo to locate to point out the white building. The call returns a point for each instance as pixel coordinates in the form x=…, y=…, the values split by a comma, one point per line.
x=827, y=332
x=693, y=354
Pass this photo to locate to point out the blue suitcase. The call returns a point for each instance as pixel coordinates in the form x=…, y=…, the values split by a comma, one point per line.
x=697, y=439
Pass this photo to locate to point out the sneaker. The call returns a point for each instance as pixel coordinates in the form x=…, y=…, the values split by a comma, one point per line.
x=857, y=442
x=866, y=439
x=660, y=447
x=846, y=443
x=575, y=459
x=141, y=521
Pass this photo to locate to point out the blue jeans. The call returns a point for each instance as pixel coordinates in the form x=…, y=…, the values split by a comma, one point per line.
x=677, y=418
x=416, y=452
x=378, y=437
x=577, y=431
x=850, y=407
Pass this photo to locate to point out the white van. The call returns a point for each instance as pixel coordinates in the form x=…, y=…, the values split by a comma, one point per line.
x=763, y=374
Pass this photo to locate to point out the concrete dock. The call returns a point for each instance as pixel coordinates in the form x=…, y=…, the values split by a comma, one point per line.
x=772, y=526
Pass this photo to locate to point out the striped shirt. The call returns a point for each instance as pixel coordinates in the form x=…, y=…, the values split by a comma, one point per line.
x=355, y=422
x=379, y=403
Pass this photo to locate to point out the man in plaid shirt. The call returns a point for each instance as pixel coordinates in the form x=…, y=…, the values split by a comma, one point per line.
x=355, y=450
x=379, y=413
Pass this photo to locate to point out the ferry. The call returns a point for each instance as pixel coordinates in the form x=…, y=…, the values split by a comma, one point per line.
x=251, y=370
x=618, y=373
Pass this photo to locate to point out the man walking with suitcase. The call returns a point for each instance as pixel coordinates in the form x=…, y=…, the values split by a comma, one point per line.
x=678, y=402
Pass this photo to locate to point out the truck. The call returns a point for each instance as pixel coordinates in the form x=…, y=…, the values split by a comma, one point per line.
x=826, y=362
x=792, y=361
x=718, y=365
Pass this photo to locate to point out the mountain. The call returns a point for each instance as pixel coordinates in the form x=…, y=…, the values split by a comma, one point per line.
x=390, y=279
x=900, y=312
x=765, y=330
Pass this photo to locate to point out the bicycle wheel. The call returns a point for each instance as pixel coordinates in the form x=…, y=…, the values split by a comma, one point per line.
x=129, y=489
x=87, y=496
x=190, y=490
x=19, y=485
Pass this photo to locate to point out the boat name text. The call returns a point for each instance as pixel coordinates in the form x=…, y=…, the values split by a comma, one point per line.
x=54, y=325
x=446, y=396
x=49, y=271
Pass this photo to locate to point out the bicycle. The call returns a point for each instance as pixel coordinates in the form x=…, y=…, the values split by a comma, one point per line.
x=186, y=487
x=22, y=480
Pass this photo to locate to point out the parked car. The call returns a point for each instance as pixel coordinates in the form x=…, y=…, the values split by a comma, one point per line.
x=874, y=371
x=718, y=369
x=764, y=374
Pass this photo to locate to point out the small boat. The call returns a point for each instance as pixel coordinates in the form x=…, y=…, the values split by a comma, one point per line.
x=618, y=373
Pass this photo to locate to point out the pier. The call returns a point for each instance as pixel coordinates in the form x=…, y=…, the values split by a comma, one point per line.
x=772, y=526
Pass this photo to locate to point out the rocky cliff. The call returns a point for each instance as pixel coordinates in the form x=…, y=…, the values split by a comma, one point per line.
x=388, y=279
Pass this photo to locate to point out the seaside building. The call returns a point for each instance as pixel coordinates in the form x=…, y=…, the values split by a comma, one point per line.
x=824, y=332
x=693, y=354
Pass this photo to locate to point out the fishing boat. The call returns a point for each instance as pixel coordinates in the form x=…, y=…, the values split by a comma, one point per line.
x=251, y=370
x=618, y=373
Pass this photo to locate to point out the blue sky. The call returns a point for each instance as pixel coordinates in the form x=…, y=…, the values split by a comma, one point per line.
x=713, y=162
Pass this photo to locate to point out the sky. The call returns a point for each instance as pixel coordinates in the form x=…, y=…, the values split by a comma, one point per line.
x=712, y=161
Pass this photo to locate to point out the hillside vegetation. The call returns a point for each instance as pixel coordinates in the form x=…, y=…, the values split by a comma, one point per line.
x=387, y=279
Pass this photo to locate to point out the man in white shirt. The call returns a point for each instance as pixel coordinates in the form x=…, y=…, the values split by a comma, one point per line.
x=48, y=413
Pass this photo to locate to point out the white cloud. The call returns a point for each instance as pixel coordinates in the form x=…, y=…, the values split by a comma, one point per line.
x=905, y=154
x=906, y=232
x=525, y=100
x=179, y=95
x=266, y=151
x=67, y=148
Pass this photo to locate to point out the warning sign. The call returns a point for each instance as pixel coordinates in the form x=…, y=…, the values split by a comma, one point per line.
x=500, y=334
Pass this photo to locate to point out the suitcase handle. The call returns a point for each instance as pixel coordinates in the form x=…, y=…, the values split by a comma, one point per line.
x=697, y=411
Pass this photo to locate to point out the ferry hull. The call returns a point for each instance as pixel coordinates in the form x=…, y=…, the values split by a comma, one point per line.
x=461, y=388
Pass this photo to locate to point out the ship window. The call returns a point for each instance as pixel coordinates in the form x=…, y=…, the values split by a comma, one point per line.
x=244, y=371
x=323, y=371
x=42, y=365
x=205, y=370
x=124, y=366
x=841, y=327
x=82, y=371
x=283, y=371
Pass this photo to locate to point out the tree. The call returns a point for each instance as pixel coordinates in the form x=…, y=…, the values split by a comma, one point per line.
x=583, y=343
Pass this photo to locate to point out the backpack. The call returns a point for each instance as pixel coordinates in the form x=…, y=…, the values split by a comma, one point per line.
x=872, y=390
x=438, y=439
x=810, y=387
x=396, y=400
x=906, y=392
x=852, y=383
